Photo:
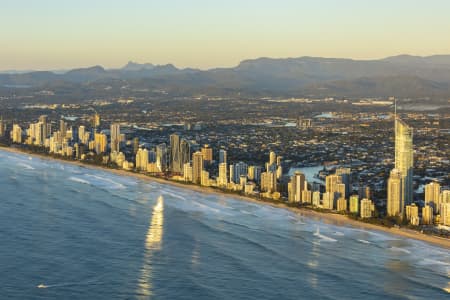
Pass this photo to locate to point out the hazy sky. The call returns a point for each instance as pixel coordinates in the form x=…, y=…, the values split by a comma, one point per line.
x=54, y=34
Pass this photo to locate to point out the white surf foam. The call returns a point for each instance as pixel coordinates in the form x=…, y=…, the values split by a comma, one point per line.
x=324, y=237
x=364, y=241
x=79, y=180
x=26, y=166
x=397, y=249
x=104, y=182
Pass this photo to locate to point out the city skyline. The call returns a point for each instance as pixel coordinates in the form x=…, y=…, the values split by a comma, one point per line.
x=263, y=180
x=206, y=34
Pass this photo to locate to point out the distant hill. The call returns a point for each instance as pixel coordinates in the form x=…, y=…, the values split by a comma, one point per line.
x=401, y=76
x=132, y=66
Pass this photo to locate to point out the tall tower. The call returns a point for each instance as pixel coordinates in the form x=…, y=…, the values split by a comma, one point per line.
x=185, y=153
x=161, y=157
x=395, y=204
x=404, y=159
x=272, y=158
x=222, y=179
x=175, y=159
x=63, y=128
x=2, y=127
x=207, y=153
x=197, y=167
x=115, y=137
x=222, y=156
x=298, y=185
x=433, y=195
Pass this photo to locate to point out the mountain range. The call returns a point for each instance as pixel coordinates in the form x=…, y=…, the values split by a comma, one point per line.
x=403, y=76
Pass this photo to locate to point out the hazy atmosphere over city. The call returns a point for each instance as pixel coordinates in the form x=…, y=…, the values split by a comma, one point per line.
x=225, y=149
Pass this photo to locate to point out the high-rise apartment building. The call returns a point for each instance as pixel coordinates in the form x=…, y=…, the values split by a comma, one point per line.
x=222, y=156
x=297, y=185
x=395, y=204
x=187, y=172
x=197, y=167
x=185, y=152
x=222, y=180
x=161, y=157
x=354, y=204
x=207, y=153
x=239, y=169
x=427, y=215
x=345, y=174
x=142, y=160
x=175, y=155
x=2, y=127
x=16, y=134
x=367, y=208
x=333, y=185
x=341, y=204
x=404, y=159
x=115, y=137
x=433, y=195
x=445, y=214
x=254, y=173
x=101, y=142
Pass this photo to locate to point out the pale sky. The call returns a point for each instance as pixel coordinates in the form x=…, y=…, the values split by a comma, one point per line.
x=58, y=34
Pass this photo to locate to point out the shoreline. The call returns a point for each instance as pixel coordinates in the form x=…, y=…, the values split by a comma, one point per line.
x=325, y=217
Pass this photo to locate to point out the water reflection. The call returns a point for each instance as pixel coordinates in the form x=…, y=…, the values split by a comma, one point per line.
x=313, y=264
x=195, y=256
x=396, y=282
x=152, y=243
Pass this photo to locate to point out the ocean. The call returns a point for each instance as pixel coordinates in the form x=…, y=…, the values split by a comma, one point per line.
x=71, y=232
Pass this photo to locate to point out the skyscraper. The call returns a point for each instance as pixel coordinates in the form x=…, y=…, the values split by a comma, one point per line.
x=395, y=204
x=197, y=167
x=96, y=121
x=272, y=158
x=16, y=134
x=185, y=152
x=367, y=208
x=427, y=215
x=345, y=174
x=175, y=159
x=222, y=156
x=207, y=153
x=142, y=159
x=100, y=143
x=433, y=195
x=47, y=127
x=333, y=185
x=354, y=204
x=2, y=127
x=63, y=128
x=297, y=186
x=161, y=157
x=404, y=159
x=115, y=137
x=81, y=134
x=239, y=169
x=222, y=180
x=135, y=145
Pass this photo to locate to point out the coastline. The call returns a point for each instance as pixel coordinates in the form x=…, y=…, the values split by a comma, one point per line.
x=329, y=218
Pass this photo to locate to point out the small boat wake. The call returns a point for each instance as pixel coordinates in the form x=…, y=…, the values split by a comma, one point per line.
x=323, y=237
x=47, y=286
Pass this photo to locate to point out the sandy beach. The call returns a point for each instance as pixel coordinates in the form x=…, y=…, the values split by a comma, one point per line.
x=330, y=218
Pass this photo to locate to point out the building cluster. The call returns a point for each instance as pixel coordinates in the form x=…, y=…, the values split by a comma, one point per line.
x=185, y=161
x=400, y=186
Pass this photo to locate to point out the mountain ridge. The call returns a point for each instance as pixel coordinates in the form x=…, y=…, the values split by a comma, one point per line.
x=409, y=76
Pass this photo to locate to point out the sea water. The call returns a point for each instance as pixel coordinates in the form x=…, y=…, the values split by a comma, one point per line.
x=71, y=232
